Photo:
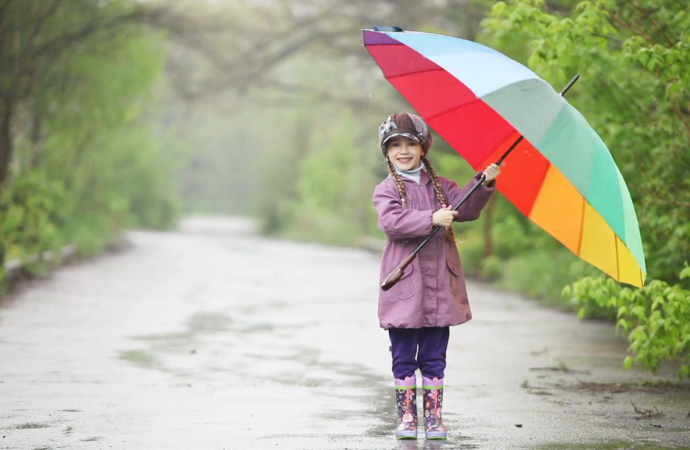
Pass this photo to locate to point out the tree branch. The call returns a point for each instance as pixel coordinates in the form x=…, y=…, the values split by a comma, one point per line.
x=631, y=28
x=665, y=200
x=28, y=48
x=679, y=111
x=282, y=54
x=648, y=15
x=64, y=41
x=610, y=38
x=37, y=26
x=321, y=95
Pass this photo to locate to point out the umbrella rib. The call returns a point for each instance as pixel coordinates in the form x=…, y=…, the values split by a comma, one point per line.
x=430, y=118
x=415, y=73
x=481, y=99
x=582, y=226
x=618, y=266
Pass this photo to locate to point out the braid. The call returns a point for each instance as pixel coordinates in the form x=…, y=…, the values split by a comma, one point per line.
x=439, y=193
x=398, y=181
x=434, y=179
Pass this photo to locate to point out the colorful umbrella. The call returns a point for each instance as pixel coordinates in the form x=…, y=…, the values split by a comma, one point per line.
x=561, y=175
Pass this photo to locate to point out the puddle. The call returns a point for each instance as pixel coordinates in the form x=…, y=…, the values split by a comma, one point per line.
x=176, y=342
x=208, y=323
x=164, y=337
x=142, y=358
x=198, y=324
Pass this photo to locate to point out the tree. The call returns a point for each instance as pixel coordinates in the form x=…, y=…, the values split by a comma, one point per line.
x=636, y=94
x=78, y=159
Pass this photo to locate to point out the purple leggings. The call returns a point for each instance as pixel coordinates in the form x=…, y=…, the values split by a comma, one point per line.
x=419, y=348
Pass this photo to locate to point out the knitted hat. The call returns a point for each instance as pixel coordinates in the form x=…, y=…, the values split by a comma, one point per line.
x=406, y=125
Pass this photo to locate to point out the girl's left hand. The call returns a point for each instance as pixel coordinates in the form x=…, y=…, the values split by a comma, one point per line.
x=491, y=173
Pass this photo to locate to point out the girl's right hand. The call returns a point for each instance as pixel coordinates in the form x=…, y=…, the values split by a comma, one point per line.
x=443, y=217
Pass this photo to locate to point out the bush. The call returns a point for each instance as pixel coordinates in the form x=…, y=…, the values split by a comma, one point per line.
x=655, y=319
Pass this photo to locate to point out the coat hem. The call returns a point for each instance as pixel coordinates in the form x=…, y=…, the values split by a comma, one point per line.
x=442, y=324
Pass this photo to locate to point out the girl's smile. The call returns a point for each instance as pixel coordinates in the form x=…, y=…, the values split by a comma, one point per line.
x=404, y=153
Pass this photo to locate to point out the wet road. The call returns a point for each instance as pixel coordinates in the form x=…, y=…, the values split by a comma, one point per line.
x=213, y=338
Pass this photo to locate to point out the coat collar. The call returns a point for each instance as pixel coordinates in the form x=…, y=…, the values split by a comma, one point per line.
x=424, y=179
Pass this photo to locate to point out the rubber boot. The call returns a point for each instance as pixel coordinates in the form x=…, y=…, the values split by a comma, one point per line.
x=433, y=403
x=406, y=399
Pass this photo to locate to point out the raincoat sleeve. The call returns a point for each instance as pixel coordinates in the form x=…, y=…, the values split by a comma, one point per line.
x=396, y=222
x=474, y=205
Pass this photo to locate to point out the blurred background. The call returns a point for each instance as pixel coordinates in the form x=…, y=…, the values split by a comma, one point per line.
x=133, y=114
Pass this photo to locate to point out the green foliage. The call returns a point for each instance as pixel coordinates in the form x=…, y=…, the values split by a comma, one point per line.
x=32, y=214
x=316, y=164
x=333, y=190
x=86, y=155
x=654, y=318
x=634, y=92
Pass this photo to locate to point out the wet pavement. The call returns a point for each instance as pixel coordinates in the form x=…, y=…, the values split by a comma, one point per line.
x=214, y=338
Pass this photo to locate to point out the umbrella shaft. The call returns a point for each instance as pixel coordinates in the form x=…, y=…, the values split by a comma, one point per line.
x=483, y=178
x=569, y=85
x=462, y=202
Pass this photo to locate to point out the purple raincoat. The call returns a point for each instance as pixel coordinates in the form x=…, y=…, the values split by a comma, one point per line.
x=432, y=291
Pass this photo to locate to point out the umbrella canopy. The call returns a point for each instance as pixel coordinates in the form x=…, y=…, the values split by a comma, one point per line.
x=561, y=175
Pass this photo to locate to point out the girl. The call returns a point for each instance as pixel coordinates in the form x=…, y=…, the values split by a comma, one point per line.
x=430, y=296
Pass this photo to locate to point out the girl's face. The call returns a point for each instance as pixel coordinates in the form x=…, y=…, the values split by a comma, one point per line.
x=404, y=153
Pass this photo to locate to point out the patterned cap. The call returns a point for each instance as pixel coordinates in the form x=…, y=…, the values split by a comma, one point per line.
x=406, y=125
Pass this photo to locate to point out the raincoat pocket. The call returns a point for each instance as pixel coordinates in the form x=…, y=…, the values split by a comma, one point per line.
x=453, y=273
x=405, y=288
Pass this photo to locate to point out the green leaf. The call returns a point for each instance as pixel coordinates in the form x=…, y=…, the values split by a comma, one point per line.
x=685, y=273
x=627, y=363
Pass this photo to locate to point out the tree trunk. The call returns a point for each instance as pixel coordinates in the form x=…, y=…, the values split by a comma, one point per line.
x=5, y=138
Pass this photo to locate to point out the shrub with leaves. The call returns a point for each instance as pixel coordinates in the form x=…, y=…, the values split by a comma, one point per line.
x=655, y=319
x=82, y=158
x=635, y=92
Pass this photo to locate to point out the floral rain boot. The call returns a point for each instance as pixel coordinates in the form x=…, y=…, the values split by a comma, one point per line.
x=406, y=399
x=433, y=402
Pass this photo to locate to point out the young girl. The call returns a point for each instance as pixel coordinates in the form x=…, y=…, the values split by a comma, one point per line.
x=430, y=297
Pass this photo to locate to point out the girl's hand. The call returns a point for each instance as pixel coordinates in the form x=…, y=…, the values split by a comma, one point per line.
x=443, y=217
x=491, y=173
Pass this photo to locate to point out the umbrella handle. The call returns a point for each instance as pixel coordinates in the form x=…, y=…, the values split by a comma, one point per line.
x=398, y=272
x=395, y=276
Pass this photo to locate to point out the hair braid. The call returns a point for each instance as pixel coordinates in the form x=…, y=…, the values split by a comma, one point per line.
x=398, y=182
x=439, y=193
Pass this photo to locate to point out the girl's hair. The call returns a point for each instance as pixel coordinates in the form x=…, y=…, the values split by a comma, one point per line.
x=434, y=179
x=398, y=182
x=450, y=234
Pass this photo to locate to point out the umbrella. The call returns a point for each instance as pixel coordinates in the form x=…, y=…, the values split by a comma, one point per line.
x=485, y=105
